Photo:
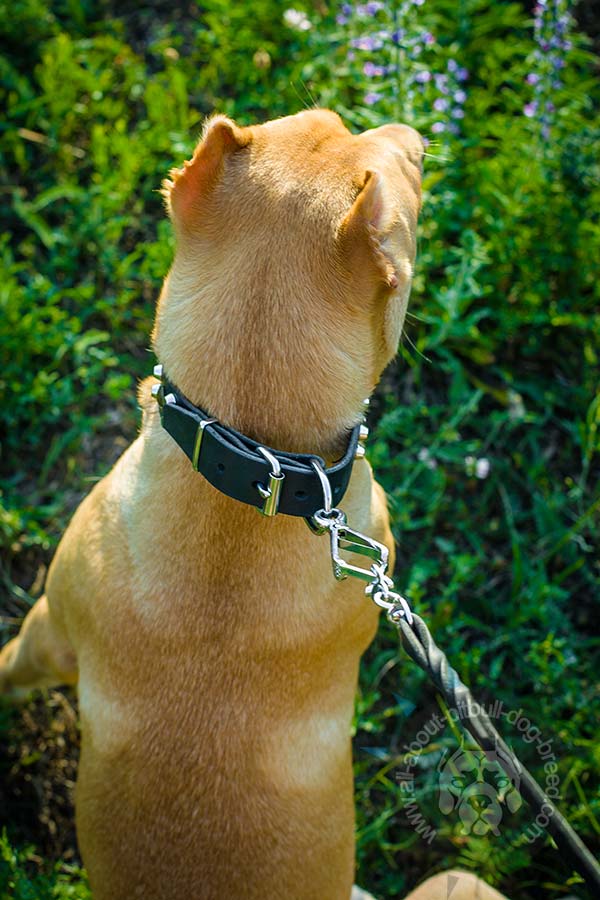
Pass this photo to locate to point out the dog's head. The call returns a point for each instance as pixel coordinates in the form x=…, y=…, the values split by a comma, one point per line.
x=473, y=782
x=295, y=247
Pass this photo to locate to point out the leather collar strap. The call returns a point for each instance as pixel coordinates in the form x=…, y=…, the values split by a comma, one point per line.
x=271, y=480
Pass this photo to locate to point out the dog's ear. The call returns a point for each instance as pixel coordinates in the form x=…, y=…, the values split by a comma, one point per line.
x=186, y=188
x=378, y=233
x=363, y=232
x=377, y=241
x=377, y=236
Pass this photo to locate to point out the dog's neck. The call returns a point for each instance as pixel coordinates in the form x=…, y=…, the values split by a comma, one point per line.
x=271, y=365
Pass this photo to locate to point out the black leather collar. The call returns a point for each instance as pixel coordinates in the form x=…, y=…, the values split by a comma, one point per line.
x=234, y=464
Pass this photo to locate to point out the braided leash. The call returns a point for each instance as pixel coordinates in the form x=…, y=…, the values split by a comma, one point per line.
x=418, y=643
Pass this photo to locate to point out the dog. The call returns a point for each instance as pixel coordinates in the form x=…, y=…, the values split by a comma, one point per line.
x=215, y=655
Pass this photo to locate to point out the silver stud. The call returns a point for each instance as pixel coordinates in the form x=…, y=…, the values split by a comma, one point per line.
x=363, y=434
x=157, y=371
x=158, y=392
x=360, y=452
x=366, y=402
x=170, y=398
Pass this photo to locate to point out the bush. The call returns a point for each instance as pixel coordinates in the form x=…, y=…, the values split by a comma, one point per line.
x=486, y=429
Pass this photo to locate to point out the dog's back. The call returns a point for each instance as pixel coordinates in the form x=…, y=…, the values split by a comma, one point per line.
x=217, y=657
x=217, y=670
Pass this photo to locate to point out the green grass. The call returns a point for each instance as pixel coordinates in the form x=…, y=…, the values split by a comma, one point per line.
x=499, y=363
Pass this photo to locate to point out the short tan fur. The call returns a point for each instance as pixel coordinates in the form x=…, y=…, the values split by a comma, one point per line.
x=216, y=657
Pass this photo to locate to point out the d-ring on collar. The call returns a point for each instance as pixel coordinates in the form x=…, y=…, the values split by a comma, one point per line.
x=271, y=480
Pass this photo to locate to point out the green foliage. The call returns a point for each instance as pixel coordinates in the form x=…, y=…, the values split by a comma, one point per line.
x=486, y=434
x=91, y=128
x=16, y=882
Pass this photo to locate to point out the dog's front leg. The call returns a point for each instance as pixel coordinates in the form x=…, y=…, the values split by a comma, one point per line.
x=40, y=655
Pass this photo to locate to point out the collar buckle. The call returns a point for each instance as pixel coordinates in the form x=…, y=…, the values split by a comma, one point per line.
x=237, y=466
x=198, y=441
x=272, y=491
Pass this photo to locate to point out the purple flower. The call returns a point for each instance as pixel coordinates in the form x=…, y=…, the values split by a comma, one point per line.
x=458, y=113
x=341, y=19
x=452, y=65
x=372, y=98
x=369, y=9
x=347, y=9
x=428, y=38
x=423, y=77
x=371, y=70
x=440, y=105
x=462, y=74
x=418, y=2
x=366, y=43
x=397, y=36
x=437, y=127
x=551, y=31
x=460, y=96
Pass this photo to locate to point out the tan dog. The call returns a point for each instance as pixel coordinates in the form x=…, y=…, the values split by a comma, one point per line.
x=215, y=654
